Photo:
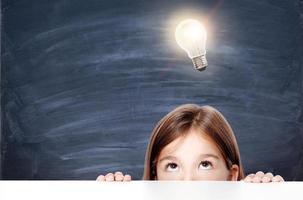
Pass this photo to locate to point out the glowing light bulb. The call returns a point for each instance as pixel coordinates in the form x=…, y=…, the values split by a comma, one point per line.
x=191, y=37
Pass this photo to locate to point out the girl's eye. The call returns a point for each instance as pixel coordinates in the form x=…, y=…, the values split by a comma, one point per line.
x=205, y=165
x=172, y=167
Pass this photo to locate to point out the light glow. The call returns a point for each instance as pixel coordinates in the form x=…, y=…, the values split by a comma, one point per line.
x=191, y=37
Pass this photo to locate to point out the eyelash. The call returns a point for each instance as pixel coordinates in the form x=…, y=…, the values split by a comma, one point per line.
x=201, y=163
x=170, y=164
x=206, y=162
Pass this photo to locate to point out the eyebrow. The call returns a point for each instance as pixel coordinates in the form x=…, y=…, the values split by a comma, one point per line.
x=200, y=156
x=168, y=158
x=209, y=155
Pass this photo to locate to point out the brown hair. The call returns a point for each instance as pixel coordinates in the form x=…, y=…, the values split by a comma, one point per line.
x=179, y=121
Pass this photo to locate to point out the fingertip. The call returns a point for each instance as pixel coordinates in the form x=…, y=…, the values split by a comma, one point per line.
x=118, y=173
x=100, y=178
x=250, y=175
x=260, y=173
x=247, y=179
x=269, y=175
x=280, y=178
x=109, y=177
x=256, y=179
x=277, y=178
x=265, y=179
x=127, y=177
x=119, y=177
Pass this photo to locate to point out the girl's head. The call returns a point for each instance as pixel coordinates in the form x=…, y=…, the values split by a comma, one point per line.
x=193, y=143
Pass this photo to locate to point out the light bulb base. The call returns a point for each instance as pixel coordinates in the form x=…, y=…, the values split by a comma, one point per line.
x=200, y=62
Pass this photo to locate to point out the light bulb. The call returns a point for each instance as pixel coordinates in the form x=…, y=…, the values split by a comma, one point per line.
x=191, y=37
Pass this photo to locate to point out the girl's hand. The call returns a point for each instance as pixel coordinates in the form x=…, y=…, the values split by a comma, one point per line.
x=260, y=177
x=118, y=176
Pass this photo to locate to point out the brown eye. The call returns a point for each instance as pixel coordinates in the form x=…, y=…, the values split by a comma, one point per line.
x=172, y=167
x=205, y=165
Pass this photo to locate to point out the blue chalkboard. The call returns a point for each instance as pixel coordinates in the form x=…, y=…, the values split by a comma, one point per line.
x=84, y=82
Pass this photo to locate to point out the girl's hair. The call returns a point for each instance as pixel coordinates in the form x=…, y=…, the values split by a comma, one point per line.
x=206, y=119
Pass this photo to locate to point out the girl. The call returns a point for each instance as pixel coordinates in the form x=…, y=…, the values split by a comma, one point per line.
x=193, y=143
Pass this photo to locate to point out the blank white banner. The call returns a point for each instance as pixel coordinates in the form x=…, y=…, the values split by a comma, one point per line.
x=150, y=190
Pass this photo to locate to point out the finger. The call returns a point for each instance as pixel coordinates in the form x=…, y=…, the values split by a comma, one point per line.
x=281, y=178
x=256, y=179
x=118, y=173
x=250, y=175
x=119, y=177
x=127, y=177
x=269, y=175
x=260, y=174
x=277, y=178
x=100, y=178
x=109, y=177
x=248, y=179
x=265, y=179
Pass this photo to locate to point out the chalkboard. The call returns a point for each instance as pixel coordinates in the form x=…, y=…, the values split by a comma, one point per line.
x=83, y=83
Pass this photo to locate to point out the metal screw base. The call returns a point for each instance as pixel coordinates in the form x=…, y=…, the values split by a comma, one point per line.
x=200, y=62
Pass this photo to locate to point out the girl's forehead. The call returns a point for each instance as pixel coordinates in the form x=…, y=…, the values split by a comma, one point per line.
x=193, y=142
